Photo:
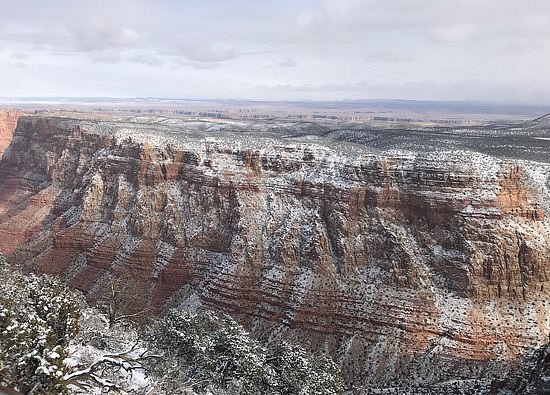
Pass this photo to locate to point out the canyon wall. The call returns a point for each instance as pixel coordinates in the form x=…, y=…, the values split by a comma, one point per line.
x=404, y=267
x=8, y=121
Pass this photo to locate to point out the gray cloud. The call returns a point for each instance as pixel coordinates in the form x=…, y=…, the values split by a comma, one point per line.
x=386, y=56
x=287, y=61
x=19, y=56
x=109, y=57
x=204, y=53
x=104, y=37
x=18, y=65
x=146, y=59
x=197, y=65
x=316, y=48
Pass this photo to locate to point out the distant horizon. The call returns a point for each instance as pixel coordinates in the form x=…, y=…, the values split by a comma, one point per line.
x=297, y=100
x=357, y=109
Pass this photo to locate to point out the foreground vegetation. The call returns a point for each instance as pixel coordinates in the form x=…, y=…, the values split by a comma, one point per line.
x=52, y=342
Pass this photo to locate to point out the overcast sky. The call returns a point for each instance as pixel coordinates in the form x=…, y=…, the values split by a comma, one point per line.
x=279, y=49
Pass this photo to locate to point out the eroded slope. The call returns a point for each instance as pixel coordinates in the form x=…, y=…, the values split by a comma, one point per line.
x=416, y=266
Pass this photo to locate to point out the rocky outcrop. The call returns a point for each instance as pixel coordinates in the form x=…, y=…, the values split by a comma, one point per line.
x=8, y=121
x=410, y=267
x=532, y=377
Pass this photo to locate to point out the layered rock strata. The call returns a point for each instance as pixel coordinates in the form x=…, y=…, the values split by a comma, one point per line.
x=404, y=267
x=8, y=121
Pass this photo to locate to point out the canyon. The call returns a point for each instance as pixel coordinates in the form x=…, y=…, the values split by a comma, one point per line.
x=8, y=122
x=407, y=263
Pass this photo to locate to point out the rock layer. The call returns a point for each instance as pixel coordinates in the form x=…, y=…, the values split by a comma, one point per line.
x=8, y=121
x=403, y=266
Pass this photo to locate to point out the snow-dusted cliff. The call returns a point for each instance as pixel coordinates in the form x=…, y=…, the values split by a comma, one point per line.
x=408, y=266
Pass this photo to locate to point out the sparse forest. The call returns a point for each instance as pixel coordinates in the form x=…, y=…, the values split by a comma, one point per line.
x=52, y=342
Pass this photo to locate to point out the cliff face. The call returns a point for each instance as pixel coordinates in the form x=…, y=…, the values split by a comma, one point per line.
x=8, y=121
x=531, y=378
x=419, y=266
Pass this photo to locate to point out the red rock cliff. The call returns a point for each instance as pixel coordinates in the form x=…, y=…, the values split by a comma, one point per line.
x=8, y=121
x=430, y=265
